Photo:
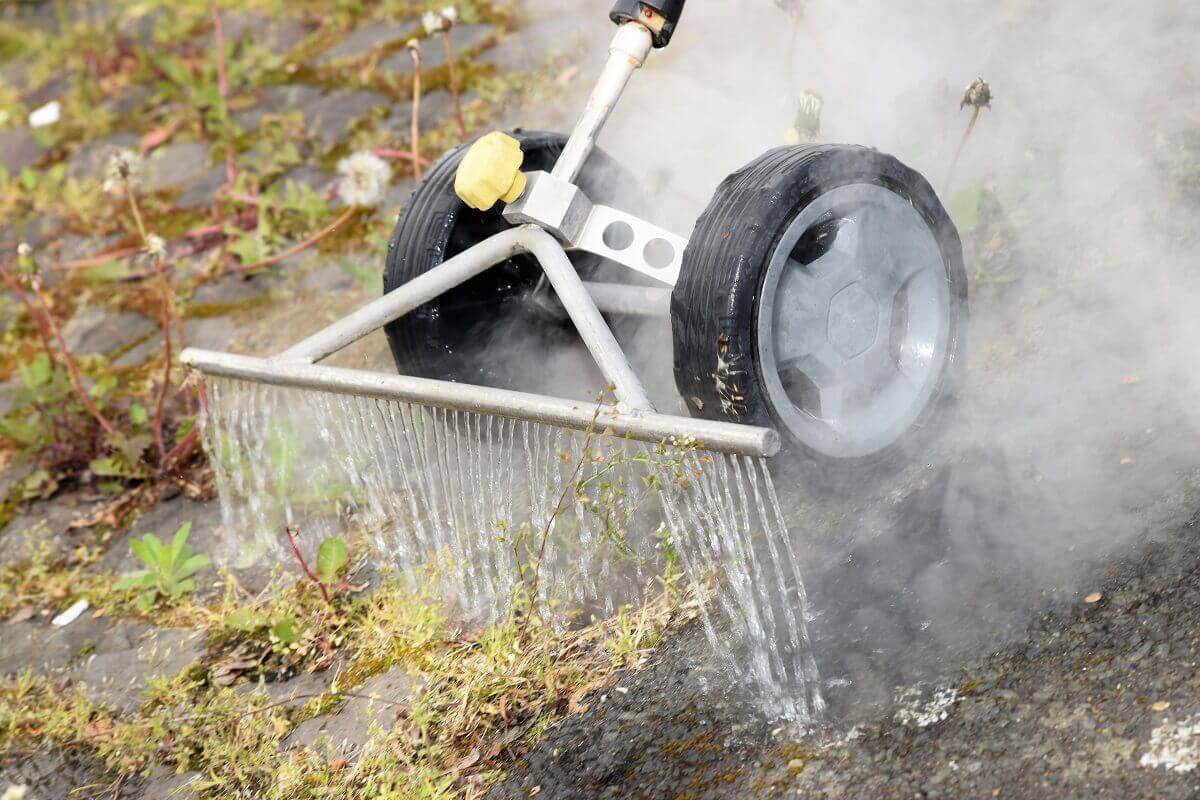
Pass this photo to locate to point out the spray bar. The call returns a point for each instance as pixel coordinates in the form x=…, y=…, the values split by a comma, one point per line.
x=644, y=427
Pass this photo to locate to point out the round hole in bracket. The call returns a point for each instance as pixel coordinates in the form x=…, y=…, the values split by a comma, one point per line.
x=618, y=235
x=659, y=253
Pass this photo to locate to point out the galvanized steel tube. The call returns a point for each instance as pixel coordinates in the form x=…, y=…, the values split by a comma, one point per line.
x=722, y=437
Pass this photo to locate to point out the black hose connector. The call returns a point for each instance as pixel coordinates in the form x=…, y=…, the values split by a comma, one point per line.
x=635, y=10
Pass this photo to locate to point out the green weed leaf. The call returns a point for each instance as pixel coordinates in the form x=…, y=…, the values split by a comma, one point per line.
x=246, y=619
x=332, y=557
x=285, y=630
x=138, y=414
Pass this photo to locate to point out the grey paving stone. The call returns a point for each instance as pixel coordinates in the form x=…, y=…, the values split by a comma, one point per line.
x=164, y=784
x=96, y=330
x=364, y=39
x=329, y=278
x=276, y=100
x=18, y=148
x=433, y=49
x=213, y=333
x=328, y=117
x=277, y=34
x=36, y=645
x=128, y=100
x=309, y=174
x=129, y=657
x=43, y=523
x=344, y=733
x=294, y=692
x=230, y=289
x=437, y=107
x=184, y=165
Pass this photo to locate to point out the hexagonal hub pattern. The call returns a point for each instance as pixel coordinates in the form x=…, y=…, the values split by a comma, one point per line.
x=853, y=321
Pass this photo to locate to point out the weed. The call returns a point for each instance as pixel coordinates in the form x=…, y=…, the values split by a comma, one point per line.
x=332, y=559
x=168, y=568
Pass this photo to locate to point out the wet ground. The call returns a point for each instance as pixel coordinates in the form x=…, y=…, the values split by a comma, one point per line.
x=1014, y=614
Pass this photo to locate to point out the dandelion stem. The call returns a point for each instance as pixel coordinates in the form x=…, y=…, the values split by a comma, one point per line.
x=166, y=315
x=416, y=112
x=296, y=248
x=100, y=258
x=222, y=83
x=69, y=362
x=137, y=212
x=958, y=152
x=15, y=287
x=458, y=115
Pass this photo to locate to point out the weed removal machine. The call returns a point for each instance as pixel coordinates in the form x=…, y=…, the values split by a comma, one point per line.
x=819, y=307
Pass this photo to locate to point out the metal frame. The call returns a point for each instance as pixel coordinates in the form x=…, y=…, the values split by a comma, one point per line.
x=552, y=219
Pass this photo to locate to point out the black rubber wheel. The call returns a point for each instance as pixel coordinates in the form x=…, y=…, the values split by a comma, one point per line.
x=823, y=294
x=475, y=332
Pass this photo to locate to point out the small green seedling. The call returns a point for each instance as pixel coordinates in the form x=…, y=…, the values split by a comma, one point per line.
x=169, y=568
x=248, y=620
x=332, y=558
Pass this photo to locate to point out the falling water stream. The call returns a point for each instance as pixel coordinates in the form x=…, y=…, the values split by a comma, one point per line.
x=432, y=486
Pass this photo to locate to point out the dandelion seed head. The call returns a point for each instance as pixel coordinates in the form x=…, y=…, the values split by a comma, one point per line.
x=808, y=118
x=15, y=792
x=156, y=246
x=978, y=94
x=432, y=21
x=124, y=169
x=365, y=178
x=24, y=250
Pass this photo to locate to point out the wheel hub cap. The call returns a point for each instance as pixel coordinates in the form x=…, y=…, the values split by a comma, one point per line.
x=853, y=321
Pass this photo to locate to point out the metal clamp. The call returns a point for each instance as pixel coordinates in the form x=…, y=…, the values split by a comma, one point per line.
x=561, y=208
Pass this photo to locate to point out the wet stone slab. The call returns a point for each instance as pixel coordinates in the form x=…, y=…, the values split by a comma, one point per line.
x=18, y=149
x=437, y=107
x=293, y=692
x=433, y=49
x=377, y=705
x=91, y=160
x=277, y=34
x=183, y=165
x=276, y=101
x=365, y=39
x=36, y=645
x=129, y=657
x=329, y=116
x=95, y=330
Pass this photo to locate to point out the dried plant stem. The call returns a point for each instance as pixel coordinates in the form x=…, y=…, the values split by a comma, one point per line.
x=416, y=112
x=168, y=357
x=167, y=320
x=137, y=213
x=296, y=248
x=43, y=336
x=958, y=152
x=222, y=83
x=570, y=486
x=69, y=362
x=101, y=258
x=458, y=115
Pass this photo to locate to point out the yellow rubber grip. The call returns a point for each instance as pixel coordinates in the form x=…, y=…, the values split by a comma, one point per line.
x=491, y=171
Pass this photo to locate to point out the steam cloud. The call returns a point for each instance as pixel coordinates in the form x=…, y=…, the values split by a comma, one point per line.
x=1075, y=431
